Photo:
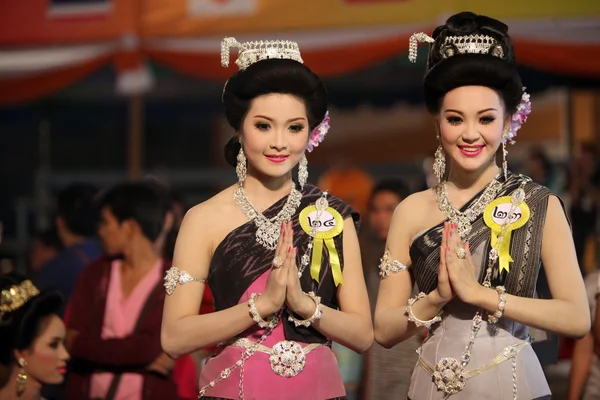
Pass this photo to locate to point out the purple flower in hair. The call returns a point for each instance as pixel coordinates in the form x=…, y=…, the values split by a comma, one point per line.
x=518, y=118
x=318, y=134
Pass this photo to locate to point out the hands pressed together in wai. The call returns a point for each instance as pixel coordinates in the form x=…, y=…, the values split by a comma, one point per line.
x=283, y=284
x=456, y=274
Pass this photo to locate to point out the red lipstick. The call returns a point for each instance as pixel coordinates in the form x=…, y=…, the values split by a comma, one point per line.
x=277, y=158
x=471, y=151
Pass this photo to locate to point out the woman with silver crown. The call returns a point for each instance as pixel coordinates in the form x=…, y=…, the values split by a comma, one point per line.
x=475, y=243
x=280, y=256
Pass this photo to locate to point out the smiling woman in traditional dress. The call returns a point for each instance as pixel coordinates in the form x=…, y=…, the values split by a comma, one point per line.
x=475, y=243
x=280, y=256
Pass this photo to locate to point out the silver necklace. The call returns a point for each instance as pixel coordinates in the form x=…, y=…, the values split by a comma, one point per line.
x=464, y=219
x=268, y=229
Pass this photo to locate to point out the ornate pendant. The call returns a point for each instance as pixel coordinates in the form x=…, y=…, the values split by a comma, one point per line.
x=287, y=358
x=464, y=228
x=267, y=234
x=449, y=376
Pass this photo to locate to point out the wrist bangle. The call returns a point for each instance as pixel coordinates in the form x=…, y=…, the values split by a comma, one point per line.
x=316, y=315
x=270, y=322
x=493, y=318
x=418, y=322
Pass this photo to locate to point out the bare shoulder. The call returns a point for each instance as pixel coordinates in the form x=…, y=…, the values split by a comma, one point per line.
x=555, y=206
x=415, y=206
x=212, y=209
x=556, y=222
x=415, y=214
x=214, y=218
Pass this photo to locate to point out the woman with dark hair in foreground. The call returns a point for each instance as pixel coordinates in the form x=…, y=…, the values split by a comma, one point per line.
x=475, y=243
x=280, y=256
x=32, y=352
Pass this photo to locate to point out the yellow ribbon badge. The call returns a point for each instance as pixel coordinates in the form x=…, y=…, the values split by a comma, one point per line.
x=495, y=215
x=330, y=225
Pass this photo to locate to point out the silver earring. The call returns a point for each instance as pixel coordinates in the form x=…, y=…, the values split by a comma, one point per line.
x=240, y=168
x=504, y=162
x=439, y=164
x=303, y=171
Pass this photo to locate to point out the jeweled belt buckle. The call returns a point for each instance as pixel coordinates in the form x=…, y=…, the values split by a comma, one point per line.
x=287, y=358
x=449, y=376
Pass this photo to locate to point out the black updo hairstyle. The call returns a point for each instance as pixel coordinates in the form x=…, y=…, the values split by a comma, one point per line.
x=446, y=74
x=20, y=328
x=271, y=76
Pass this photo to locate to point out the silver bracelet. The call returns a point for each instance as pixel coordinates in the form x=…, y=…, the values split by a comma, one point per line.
x=418, y=322
x=316, y=315
x=270, y=323
x=493, y=318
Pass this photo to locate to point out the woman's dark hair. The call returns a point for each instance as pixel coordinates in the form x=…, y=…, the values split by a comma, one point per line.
x=446, y=74
x=271, y=76
x=20, y=328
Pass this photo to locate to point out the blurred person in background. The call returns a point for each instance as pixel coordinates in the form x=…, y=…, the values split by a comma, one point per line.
x=540, y=169
x=477, y=299
x=429, y=179
x=44, y=247
x=273, y=318
x=584, y=379
x=32, y=353
x=348, y=182
x=186, y=370
x=387, y=371
x=116, y=308
x=178, y=208
x=76, y=222
x=584, y=191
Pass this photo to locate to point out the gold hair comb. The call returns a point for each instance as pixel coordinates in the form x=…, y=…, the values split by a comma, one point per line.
x=16, y=296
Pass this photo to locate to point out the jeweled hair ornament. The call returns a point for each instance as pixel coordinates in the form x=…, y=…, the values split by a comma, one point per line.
x=413, y=44
x=16, y=296
x=467, y=44
x=251, y=52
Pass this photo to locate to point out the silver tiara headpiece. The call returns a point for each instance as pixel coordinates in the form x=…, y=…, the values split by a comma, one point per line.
x=251, y=52
x=468, y=44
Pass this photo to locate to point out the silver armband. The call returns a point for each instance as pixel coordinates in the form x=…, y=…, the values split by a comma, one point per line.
x=388, y=266
x=174, y=277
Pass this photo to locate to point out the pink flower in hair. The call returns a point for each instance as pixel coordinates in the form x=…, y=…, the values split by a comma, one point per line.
x=518, y=118
x=318, y=134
